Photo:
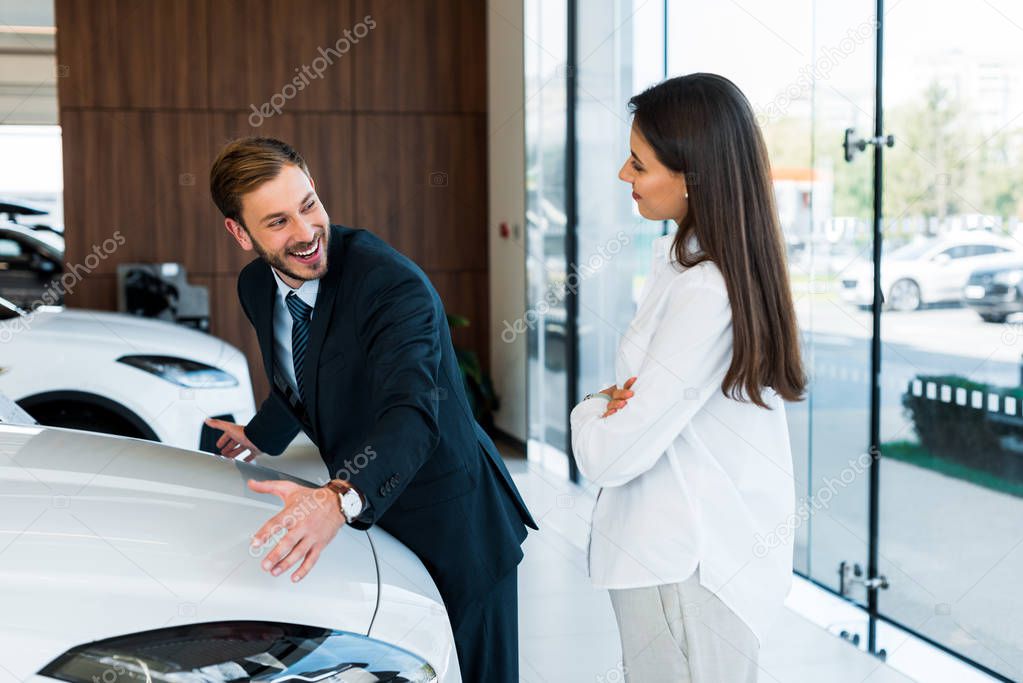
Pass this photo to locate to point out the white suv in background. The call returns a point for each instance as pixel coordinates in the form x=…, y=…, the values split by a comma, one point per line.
x=927, y=271
x=121, y=374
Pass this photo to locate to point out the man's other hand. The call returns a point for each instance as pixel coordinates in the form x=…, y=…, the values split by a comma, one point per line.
x=233, y=441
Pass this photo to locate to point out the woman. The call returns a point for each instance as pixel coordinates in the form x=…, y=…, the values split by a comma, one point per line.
x=692, y=452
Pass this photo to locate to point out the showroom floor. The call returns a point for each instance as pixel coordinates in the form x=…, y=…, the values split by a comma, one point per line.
x=567, y=630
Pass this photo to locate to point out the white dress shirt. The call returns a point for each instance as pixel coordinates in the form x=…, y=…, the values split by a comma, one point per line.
x=283, y=323
x=688, y=476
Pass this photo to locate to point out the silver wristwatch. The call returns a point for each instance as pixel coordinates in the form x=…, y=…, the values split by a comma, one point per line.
x=351, y=504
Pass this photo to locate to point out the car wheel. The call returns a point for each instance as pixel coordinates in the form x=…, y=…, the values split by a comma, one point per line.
x=993, y=317
x=83, y=416
x=904, y=295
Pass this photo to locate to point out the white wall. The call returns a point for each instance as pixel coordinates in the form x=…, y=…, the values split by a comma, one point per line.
x=28, y=63
x=507, y=204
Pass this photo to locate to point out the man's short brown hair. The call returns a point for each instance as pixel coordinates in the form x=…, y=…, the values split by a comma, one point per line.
x=245, y=164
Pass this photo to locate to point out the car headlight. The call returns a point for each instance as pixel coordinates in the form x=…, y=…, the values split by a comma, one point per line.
x=1008, y=277
x=181, y=371
x=221, y=652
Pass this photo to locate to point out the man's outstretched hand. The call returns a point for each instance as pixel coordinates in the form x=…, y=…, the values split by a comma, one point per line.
x=233, y=441
x=309, y=521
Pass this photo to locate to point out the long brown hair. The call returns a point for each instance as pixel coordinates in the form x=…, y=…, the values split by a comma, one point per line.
x=702, y=126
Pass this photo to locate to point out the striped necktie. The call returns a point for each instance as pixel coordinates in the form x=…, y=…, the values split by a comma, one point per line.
x=301, y=312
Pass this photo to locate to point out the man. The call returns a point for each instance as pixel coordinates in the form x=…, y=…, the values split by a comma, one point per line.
x=355, y=342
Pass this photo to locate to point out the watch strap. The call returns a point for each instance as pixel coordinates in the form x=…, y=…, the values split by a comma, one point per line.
x=339, y=486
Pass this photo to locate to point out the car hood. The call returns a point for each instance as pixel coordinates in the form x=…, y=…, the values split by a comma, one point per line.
x=103, y=536
x=130, y=333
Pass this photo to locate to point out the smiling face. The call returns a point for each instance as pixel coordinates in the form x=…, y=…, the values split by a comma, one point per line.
x=285, y=223
x=660, y=193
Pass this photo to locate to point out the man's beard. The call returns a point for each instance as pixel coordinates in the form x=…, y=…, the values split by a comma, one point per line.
x=279, y=262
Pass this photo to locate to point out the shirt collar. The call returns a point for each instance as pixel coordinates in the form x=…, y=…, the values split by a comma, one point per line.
x=307, y=292
x=662, y=246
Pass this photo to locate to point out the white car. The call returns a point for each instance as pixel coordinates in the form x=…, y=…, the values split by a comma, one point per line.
x=126, y=561
x=121, y=374
x=926, y=271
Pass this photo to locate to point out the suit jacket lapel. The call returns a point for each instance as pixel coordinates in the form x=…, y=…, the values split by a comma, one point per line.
x=264, y=322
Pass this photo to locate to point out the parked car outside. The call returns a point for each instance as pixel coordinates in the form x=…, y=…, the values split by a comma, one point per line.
x=927, y=271
x=996, y=292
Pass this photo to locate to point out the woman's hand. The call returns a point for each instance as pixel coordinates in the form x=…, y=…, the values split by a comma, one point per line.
x=619, y=397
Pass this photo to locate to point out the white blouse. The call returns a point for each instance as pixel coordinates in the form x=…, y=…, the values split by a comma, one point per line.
x=688, y=476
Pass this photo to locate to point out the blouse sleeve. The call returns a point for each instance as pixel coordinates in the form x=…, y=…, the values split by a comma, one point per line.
x=686, y=361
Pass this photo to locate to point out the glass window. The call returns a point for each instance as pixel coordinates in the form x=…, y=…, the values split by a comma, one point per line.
x=824, y=208
x=31, y=175
x=622, y=53
x=9, y=248
x=951, y=402
x=546, y=321
x=951, y=508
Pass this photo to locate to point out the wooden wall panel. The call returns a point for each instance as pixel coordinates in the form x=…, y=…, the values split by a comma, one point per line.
x=98, y=292
x=143, y=173
x=465, y=293
x=423, y=56
x=130, y=54
x=394, y=133
x=422, y=186
x=258, y=47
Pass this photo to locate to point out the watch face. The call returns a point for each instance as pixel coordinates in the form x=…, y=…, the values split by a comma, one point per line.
x=351, y=504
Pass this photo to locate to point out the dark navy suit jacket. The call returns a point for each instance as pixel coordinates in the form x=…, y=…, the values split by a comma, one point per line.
x=387, y=408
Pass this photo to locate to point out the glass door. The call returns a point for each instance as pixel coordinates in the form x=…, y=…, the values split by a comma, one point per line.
x=951, y=488
x=620, y=53
x=545, y=321
x=906, y=266
x=832, y=272
x=811, y=78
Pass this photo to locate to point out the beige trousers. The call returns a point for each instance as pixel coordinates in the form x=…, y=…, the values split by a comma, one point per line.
x=682, y=633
